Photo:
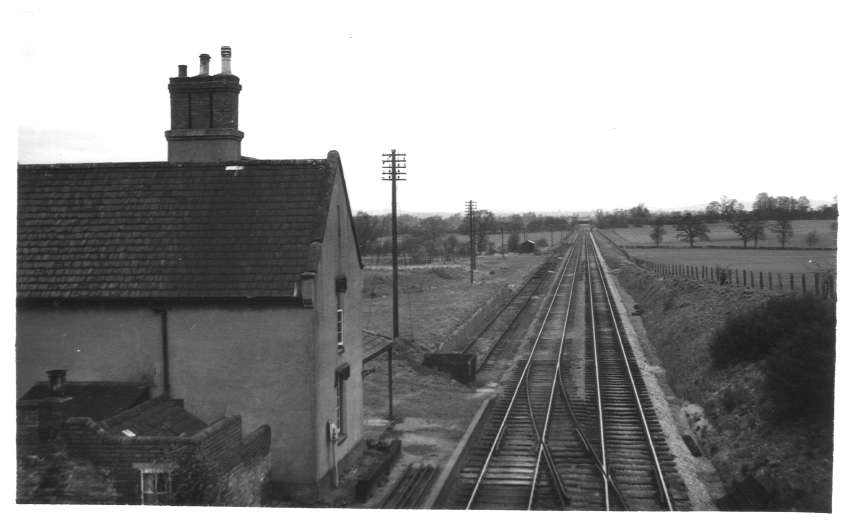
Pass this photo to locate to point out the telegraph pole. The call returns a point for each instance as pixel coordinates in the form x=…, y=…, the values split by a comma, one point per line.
x=471, y=207
x=502, y=234
x=393, y=164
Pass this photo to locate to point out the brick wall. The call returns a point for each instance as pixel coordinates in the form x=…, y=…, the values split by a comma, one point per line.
x=86, y=440
x=246, y=481
x=38, y=422
x=220, y=443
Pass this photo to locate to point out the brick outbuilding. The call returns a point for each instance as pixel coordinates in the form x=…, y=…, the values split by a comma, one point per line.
x=229, y=282
x=106, y=442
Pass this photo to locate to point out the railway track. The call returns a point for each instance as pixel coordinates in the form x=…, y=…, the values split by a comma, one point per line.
x=542, y=448
x=631, y=441
x=499, y=333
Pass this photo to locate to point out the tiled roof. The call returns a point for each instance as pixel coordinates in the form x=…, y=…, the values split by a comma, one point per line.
x=162, y=230
x=157, y=417
x=97, y=400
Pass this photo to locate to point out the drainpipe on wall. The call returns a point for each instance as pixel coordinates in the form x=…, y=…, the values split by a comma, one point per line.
x=166, y=379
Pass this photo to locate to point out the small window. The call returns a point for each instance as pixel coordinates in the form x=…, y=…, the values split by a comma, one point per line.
x=156, y=488
x=340, y=344
x=340, y=377
x=155, y=481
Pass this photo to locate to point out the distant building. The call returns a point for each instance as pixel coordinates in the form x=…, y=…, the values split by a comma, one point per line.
x=527, y=246
x=228, y=282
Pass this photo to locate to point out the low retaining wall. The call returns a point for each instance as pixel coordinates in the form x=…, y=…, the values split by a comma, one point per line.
x=460, y=337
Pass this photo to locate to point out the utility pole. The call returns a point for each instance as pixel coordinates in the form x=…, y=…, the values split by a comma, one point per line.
x=471, y=207
x=393, y=164
x=502, y=234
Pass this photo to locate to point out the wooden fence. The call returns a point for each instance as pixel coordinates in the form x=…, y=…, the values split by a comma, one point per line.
x=819, y=283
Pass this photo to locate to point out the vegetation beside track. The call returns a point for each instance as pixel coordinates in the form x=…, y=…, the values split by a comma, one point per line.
x=431, y=410
x=730, y=406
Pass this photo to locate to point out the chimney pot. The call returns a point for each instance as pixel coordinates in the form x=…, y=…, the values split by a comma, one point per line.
x=56, y=380
x=225, y=59
x=205, y=65
x=181, y=71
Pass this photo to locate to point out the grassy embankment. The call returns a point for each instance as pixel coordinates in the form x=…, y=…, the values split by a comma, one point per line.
x=732, y=414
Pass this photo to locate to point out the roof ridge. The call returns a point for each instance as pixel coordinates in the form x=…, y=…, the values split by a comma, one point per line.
x=146, y=164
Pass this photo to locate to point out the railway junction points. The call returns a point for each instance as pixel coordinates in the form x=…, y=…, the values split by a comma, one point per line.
x=552, y=381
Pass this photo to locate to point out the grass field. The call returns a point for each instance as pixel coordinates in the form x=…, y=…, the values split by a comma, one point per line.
x=767, y=260
x=720, y=235
x=433, y=299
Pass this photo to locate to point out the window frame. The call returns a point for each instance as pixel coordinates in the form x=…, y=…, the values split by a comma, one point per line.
x=160, y=472
x=341, y=374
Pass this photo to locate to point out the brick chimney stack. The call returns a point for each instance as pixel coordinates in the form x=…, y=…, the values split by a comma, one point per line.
x=205, y=65
x=225, y=59
x=205, y=114
x=56, y=381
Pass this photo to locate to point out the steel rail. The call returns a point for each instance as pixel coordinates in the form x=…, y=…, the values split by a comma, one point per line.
x=664, y=492
x=504, y=307
x=513, y=320
x=550, y=461
x=589, y=448
x=501, y=431
x=542, y=446
x=599, y=411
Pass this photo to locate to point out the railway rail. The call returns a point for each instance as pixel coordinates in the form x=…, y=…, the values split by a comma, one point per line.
x=542, y=448
x=493, y=339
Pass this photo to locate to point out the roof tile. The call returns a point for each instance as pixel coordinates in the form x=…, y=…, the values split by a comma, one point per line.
x=154, y=230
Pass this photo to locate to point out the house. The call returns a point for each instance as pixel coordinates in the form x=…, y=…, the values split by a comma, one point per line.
x=228, y=282
x=117, y=446
x=527, y=246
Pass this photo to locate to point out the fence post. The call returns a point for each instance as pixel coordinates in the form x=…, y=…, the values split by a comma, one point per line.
x=779, y=276
x=761, y=280
x=791, y=277
x=770, y=280
x=803, y=276
x=737, y=280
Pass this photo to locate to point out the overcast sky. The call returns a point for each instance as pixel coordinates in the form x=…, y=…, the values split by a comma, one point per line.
x=542, y=106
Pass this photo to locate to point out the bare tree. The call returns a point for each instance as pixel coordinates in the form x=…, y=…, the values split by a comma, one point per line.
x=739, y=227
x=782, y=229
x=691, y=228
x=730, y=208
x=369, y=229
x=812, y=238
x=658, y=231
x=748, y=227
x=756, y=227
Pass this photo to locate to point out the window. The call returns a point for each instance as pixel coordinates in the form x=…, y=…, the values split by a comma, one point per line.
x=341, y=284
x=340, y=347
x=155, y=481
x=340, y=376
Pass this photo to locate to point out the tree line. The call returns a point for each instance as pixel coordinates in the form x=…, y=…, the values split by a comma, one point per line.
x=437, y=236
x=767, y=214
